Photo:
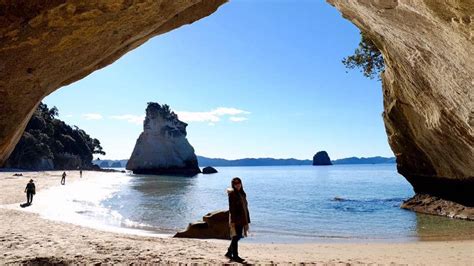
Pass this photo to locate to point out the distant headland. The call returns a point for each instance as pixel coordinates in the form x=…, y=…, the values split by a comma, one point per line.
x=205, y=161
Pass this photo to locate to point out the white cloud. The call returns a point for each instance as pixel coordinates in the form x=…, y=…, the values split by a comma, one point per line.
x=212, y=116
x=134, y=119
x=92, y=116
x=237, y=118
x=229, y=111
x=197, y=116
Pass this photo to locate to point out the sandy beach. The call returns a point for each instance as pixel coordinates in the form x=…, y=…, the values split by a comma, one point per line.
x=26, y=237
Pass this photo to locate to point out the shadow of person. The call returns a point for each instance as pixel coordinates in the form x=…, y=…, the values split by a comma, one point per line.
x=24, y=205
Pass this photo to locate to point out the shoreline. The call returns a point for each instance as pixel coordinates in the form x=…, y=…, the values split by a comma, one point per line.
x=27, y=237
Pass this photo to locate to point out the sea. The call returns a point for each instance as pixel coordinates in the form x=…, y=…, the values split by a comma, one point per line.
x=287, y=204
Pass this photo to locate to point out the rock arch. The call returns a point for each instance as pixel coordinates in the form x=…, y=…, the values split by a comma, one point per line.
x=428, y=85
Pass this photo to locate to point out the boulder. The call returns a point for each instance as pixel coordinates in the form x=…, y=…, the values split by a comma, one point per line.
x=321, y=158
x=428, y=88
x=162, y=148
x=209, y=170
x=213, y=225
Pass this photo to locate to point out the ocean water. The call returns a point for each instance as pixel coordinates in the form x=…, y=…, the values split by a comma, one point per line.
x=286, y=203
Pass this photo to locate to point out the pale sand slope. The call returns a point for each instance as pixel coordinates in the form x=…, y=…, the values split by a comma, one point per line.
x=25, y=236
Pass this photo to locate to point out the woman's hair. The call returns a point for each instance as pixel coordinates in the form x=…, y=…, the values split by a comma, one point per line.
x=238, y=180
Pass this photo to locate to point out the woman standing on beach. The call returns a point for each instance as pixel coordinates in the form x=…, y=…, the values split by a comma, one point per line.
x=239, y=217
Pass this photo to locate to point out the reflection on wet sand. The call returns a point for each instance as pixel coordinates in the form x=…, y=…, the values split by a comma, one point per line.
x=430, y=227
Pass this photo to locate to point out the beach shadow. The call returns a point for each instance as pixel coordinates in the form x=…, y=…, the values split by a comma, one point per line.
x=24, y=205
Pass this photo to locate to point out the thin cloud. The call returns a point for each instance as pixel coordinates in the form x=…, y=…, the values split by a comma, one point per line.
x=229, y=111
x=237, y=118
x=92, y=116
x=210, y=117
x=134, y=119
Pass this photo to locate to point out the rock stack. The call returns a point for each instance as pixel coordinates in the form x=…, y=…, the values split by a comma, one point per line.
x=321, y=158
x=162, y=148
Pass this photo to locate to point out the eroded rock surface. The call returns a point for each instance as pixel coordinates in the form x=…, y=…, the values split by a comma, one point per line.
x=162, y=147
x=427, y=204
x=213, y=225
x=428, y=88
x=48, y=44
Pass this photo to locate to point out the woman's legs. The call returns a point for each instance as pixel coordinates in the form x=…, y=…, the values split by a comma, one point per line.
x=234, y=244
x=29, y=197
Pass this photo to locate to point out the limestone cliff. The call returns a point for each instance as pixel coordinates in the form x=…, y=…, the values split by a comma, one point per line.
x=162, y=147
x=48, y=44
x=428, y=88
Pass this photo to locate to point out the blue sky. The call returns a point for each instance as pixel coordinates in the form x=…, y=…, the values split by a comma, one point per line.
x=255, y=79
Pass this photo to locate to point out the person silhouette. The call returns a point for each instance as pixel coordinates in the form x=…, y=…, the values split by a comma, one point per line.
x=30, y=190
x=63, y=179
x=80, y=173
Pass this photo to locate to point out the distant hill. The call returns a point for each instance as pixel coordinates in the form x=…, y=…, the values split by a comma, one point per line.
x=205, y=161
x=365, y=160
x=111, y=163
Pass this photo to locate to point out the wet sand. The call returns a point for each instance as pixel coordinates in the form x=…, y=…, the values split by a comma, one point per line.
x=26, y=237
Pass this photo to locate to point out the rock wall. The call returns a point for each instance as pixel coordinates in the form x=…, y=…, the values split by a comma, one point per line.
x=162, y=147
x=428, y=88
x=48, y=44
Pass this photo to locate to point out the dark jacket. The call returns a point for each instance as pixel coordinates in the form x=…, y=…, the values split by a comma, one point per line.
x=239, y=212
x=30, y=188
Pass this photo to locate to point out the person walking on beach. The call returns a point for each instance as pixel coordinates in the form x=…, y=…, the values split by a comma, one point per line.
x=63, y=179
x=80, y=173
x=30, y=190
x=239, y=218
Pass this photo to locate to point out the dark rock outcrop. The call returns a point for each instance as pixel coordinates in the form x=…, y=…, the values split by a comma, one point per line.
x=41, y=164
x=45, y=45
x=428, y=50
x=209, y=170
x=213, y=225
x=321, y=158
x=162, y=148
x=424, y=203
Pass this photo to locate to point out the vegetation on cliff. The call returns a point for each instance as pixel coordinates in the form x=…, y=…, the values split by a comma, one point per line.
x=367, y=57
x=49, y=143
